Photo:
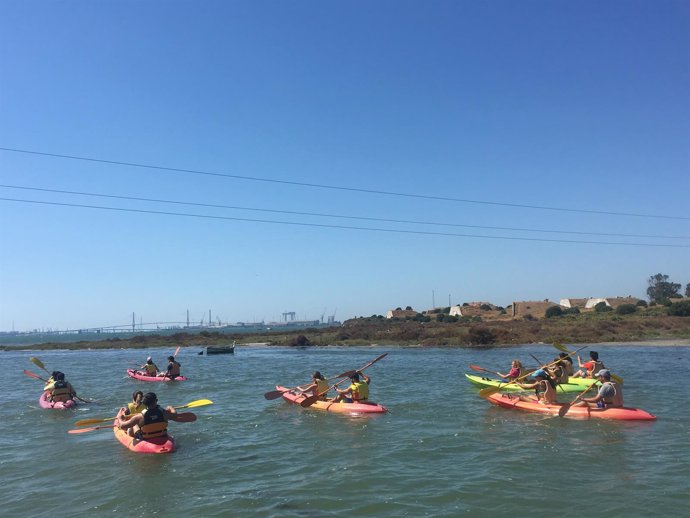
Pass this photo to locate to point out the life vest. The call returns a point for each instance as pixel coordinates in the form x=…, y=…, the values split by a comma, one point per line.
x=133, y=409
x=596, y=368
x=321, y=388
x=173, y=369
x=548, y=393
x=155, y=423
x=360, y=391
x=60, y=392
x=151, y=369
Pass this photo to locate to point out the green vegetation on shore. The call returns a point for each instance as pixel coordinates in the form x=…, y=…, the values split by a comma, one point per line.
x=593, y=327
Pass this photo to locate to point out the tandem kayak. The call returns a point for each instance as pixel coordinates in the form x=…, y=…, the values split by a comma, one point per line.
x=143, y=377
x=155, y=445
x=529, y=404
x=45, y=402
x=329, y=406
x=573, y=385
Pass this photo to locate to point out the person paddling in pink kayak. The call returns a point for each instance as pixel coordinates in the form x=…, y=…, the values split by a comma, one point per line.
x=357, y=392
x=610, y=394
x=173, y=369
x=149, y=368
x=151, y=422
x=60, y=389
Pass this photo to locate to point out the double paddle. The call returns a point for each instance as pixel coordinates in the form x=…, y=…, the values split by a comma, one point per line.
x=309, y=401
x=193, y=404
x=486, y=392
x=38, y=363
x=185, y=417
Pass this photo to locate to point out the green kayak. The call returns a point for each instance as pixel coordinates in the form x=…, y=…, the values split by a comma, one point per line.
x=573, y=385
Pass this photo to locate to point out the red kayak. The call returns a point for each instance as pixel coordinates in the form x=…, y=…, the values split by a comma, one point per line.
x=328, y=406
x=145, y=377
x=45, y=402
x=529, y=404
x=156, y=445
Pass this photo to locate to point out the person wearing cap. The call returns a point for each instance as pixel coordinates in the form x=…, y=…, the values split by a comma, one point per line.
x=610, y=394
x=516, y=371
x=357, y=392
x=151, y=422
x=149, y=368
x=60, y=389
x=589, y=369
x=173, y=369
x=318, y=385
x=544, y=387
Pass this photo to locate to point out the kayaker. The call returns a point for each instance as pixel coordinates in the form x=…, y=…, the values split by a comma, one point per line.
x=173, y=370
x=590, y=368
x=319, y=385
x=136, y=406
x=610, y=394
x=544, y=387
x=559, y=371
x=516, y=371
x=152, y=422
x=568, y=361
x=358, y=390
x=149, y=368
x=60, y=389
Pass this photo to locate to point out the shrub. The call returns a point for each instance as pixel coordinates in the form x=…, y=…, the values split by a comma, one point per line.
x=300, y=341
x=601, y=307
x=572, y=311
x=626, y=309
x=642, y=303
x=553, y=311
x=485, y=307
x=680, y=309
x=481, y=335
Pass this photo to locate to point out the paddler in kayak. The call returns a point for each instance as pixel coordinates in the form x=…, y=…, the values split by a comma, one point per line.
x=568, y=361
x=357, y=392
x=136, y=406
x=544, y=387
x=149, y=368
x=173, y=370
x=516, y=371
x=610, y=394
x=558, y=371
x=589, y=369
x=60, y=389
x=319, y=386
x=152, y=422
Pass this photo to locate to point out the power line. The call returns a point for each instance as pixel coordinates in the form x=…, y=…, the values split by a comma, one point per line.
x=340, y=188
x=363, y=218
x=344, y=227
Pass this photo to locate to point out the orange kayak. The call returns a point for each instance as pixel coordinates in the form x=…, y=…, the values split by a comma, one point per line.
x=328, y=406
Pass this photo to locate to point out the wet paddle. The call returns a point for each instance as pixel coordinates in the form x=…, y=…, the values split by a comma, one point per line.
x=486, y=392
x=193, y=404
x=563, y=349
x=39, y=364
x=185, y=417
x=345, y=375
x=564, y=409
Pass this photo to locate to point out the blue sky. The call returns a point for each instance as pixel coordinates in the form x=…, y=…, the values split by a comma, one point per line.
x=439, y=114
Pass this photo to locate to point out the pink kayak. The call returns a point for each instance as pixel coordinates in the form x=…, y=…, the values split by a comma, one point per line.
x=529, y=404
x=156, y=445
x=329, y=406
x=45, y=402
x=144, y=377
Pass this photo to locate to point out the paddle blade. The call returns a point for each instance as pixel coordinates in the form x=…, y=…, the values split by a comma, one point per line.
x=38, y=363
x=486, y=392
x=560, y=347
x=32, y=375
x=194, y=404
x=274, y=394
x=176, y=351
x=309, y=401
x=564, y=410
x=185, y=417
x=617, y=379
x=87, y=422
x=476, y=368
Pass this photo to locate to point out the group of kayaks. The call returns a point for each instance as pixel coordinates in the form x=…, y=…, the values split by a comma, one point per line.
x=511, y=395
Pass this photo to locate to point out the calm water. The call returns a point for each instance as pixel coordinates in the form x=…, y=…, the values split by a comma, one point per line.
x=245, y=456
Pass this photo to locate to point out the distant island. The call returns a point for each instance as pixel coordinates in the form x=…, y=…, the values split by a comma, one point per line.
x=639, y=325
